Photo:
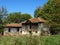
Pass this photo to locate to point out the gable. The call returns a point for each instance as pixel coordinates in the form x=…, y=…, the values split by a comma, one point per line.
x=28, y=21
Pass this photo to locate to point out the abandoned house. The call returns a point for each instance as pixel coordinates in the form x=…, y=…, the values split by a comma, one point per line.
x=12, y=29
x=33, y=26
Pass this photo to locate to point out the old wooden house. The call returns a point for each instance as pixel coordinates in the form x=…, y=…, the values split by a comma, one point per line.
x=12, y=29
x=33, y=26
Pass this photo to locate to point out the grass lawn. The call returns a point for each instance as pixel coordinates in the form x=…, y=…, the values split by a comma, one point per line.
x=30, y=40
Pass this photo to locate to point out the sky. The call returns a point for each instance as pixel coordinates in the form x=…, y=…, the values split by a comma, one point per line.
x=23, y=6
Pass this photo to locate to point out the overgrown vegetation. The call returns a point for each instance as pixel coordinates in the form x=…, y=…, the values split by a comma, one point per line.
x=30, y=40
x=51, y=12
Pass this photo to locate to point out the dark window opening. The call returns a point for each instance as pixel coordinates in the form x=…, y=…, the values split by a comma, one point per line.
x=9, y=30
x=30, y=26
x=35, y=31
x=30, y=32
x=18, y=29
x=2, y=33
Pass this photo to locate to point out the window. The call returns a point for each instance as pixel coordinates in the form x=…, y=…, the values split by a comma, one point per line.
x=9, y=30
x=35, y=31
x=18, y=29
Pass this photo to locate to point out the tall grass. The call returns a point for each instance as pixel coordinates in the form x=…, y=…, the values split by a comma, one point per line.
x=30, y=40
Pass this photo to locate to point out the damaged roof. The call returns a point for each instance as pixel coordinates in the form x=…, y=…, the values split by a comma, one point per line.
x=13, y=25
x=32, y=20
x=36, y=20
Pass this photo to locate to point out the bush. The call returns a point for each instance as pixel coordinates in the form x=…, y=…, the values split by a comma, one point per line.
x=30, y=40
x=55, y=28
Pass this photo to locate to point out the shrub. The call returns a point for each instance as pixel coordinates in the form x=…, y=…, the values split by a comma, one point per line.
x=30, y=40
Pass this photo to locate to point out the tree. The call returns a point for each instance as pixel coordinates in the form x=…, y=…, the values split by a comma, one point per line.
x=3, y=13
x=13, y=17
x=17, y=17
x=25, y=17
x=51, y=12
x=37, y=12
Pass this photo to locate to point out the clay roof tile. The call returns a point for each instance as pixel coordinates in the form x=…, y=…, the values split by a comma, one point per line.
x=34, y=20
x=13, y=25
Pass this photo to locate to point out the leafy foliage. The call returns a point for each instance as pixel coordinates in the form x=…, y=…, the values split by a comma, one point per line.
x=13, y=17
x=17, y=17
x=25, y=17
x=3, y=13
x=51, y=12
x=30, y=40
